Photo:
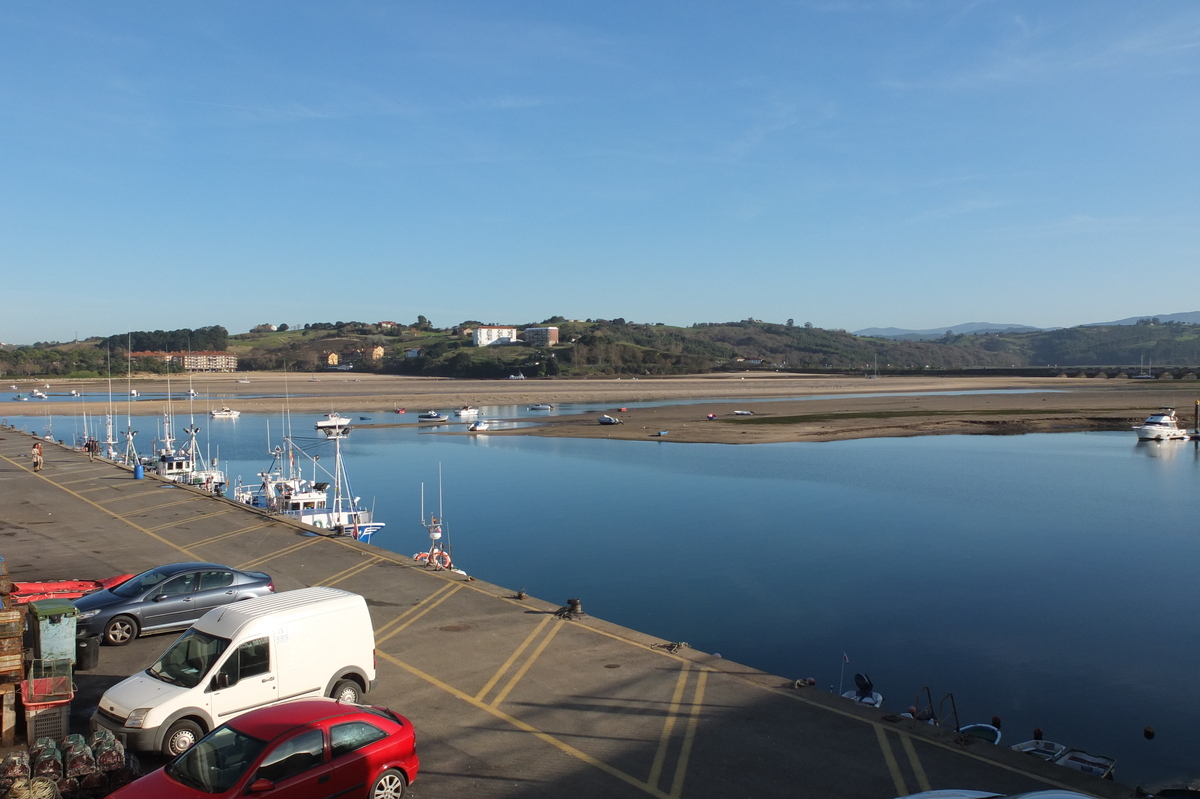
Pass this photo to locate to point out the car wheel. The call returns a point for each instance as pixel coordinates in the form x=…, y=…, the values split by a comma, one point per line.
x=182, y=735
x=347, y=691
x=121, y=630
x=389, y=785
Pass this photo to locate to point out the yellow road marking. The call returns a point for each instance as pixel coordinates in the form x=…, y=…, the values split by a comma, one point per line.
x=127, y=496
x=214, y=539
x=413, y=609
x=80, y=480
x=346, y=574
x=689, y=737
x=516, y=678
x=285, y=551
x=416, y=616
x=668, y=726
x=90, y=490
x=513, y=658
x=178, y=522
x=166, y=505
x=890, y=759
x=100, y=507
x=521, y=725
x=915, y=762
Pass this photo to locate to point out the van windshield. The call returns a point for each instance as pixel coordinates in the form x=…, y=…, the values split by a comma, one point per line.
x=189, y=659
x=217, y=761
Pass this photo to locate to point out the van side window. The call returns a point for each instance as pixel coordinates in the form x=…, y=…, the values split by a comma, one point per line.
x=250, y=659
x=293, y=756
x=211, y=580
x=345, y=738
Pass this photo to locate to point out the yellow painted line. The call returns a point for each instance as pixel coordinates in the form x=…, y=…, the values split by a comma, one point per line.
x=416, y=616
x=131, y=496
x=189, y=519
x=90, y=490
x=562, y=746
x=285, y=551
x=100, y=507
x=513, y=657
x=890, y=759
x=214, y=539
x=668, y=726
x=72, y=482
x=689, y=737
x=140, y=511
x=413, y=609
x=348, y=573
x=516, y=678
x=915, y=762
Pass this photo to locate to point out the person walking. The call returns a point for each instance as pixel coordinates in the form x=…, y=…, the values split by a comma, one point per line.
x=91, y=448
x=37, y=456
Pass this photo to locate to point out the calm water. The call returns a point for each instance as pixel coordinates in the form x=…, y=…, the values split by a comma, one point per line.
x=1048, y=579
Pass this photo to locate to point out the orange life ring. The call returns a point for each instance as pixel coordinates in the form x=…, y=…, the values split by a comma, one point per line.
x=421, y=557
x=442, y=559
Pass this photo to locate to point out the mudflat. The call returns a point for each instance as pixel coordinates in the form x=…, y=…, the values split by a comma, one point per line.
x=783, y=407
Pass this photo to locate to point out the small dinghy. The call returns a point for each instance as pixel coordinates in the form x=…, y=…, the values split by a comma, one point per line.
x=1042, y=750
x=1079, y=760
x=984, y=732
x=606, y=419
x=432, y=416
x=541, y=406
x=477, y=426
x=865, y=693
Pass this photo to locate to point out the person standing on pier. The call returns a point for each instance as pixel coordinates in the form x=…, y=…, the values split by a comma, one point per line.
x=37, y=456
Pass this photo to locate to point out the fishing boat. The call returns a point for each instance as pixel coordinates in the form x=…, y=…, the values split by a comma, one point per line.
x=401, y=410
x=743, y=413
x=325, y=501
x=334, y=425
x=1161, y=426
x=541, y=406
x=133, y=392
x=606, y=419
x=243, y=380
x=37, y=393
x=478, y=426
x=191, y=392
x=466, y=411
x=20, y=398
x=1079, y=760
x=440, y=555
x=186, y=465
x=224, y=412
x=433, y=416
x=75, y=393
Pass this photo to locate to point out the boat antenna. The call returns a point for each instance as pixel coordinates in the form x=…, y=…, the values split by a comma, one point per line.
x=440, y=556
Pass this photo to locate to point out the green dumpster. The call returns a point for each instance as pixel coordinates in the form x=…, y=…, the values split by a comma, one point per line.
x=52, y=622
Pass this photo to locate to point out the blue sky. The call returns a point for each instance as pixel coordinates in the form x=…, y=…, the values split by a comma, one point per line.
x=852, y=164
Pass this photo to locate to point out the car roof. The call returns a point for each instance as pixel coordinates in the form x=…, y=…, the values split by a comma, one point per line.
x=270, y=722
x=176, y=568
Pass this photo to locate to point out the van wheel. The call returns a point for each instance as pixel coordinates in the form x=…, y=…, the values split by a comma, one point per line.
x=181, y=737
x=348, y=691
x=121, y=630
x=390, y=785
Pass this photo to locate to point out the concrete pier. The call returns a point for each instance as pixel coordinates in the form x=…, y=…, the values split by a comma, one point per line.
x=507, y=699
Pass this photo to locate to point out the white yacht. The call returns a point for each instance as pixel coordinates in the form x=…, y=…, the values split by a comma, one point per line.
x=466, y=411
x=1162, y=426
x=225, y=412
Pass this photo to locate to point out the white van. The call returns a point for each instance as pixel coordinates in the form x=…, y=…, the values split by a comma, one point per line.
x=311, y=642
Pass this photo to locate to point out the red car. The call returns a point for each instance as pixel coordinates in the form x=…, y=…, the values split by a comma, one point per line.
x=300, y=750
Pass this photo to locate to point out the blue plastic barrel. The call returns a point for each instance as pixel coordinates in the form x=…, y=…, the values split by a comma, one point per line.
x=139, y=472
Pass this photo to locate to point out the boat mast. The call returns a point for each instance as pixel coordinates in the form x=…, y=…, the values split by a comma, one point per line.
x=110, y=443
x=440, y=556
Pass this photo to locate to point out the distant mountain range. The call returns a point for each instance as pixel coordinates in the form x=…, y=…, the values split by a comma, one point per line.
x=900, y=334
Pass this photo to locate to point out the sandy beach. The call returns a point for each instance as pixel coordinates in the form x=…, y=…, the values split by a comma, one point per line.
x=1051, y=404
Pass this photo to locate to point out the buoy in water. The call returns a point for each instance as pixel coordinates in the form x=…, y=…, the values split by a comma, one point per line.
x=1037, y=733
x=996, y=722
x=1149, y=733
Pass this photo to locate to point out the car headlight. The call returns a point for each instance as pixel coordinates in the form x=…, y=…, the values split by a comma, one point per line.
x=86, y=614
x=137, y=717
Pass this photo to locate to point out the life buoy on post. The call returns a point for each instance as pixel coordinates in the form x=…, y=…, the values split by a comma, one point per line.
x=421, y=557
x=318, y=523
x=442, y=559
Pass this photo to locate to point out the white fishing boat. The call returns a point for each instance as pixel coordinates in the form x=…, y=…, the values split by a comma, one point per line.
x=440, y=555
x=38, y=394
x=186, y=464
x=606, y=419
x=75, y=393
x=517, y=376
x=743, y=413
x=243, y=380
x=133, y=392
x=191, y=392
x=478, y=426
x=466, y=412
x=20, y=398
x=1161, y=426
x=541, y=406
x=325, y=501
x=432, y=416
x=224, y=412
x=334, y=425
